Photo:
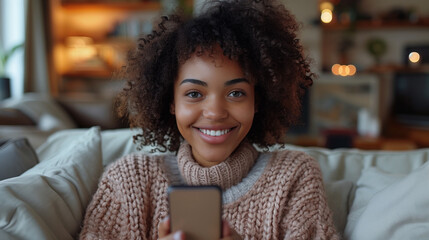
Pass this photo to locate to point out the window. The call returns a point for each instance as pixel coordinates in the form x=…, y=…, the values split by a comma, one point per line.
x=12, y=32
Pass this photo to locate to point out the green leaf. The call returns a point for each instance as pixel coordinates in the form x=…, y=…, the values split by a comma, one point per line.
x=2, y=57
x=11, y=51
x=5, y=55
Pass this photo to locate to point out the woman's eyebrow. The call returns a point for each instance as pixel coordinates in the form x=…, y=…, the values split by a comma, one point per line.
x=194, y=81
x=204, y=84
x=235, y=81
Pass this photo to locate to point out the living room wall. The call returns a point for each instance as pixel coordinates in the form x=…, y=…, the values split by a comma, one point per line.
x=321, y=43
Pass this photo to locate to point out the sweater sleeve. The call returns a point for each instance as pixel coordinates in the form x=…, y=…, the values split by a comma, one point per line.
x=117, y=209
x=307, y=215
x=101, y=215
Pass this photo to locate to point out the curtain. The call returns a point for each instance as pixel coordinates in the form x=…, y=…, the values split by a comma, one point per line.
x=38, y=72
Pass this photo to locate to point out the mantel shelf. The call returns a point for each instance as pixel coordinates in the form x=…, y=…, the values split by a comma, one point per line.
x=119, y=6
x=389, y=68
x=101, y=73
x=376, y=25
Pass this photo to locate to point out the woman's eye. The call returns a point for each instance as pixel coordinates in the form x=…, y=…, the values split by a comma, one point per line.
x=236, y=94
x=194, y=95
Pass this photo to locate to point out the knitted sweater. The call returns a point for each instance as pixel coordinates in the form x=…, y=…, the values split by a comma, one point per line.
x=276, y=195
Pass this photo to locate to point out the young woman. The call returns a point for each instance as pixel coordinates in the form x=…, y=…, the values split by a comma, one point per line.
x=210, y=89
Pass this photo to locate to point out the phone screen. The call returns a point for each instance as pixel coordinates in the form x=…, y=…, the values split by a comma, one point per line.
x=196, y=210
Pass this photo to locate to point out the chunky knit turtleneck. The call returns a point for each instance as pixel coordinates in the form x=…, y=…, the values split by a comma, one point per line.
x=226, y=174
x=280, y=197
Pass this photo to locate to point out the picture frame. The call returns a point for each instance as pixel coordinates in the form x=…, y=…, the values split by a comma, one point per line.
x=350, y=103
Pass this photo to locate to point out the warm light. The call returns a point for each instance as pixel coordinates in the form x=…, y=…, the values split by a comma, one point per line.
x=352, y=69
x=91, y=22
x=60, y=52
x=78, y=41
x=80, y=49
x=82, y=54
x=414, y=57
x=326, y=5
x=326, y=16
x=335, y=69
x=343, y=70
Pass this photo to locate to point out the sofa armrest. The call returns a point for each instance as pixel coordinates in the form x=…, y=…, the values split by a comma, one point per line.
x=88, y=112
x=12, y=116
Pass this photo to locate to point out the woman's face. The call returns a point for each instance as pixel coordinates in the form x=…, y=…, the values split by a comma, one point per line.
x=214, y=105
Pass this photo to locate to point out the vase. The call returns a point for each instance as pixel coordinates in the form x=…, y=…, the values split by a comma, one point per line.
x=4, y=88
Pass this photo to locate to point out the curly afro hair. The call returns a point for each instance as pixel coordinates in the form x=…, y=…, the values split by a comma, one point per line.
x=261, y=35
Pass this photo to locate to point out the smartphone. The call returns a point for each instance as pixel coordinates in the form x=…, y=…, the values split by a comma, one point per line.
x=197, y=211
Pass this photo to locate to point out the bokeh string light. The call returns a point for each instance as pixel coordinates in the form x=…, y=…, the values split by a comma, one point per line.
x=414, y=57
x=326, y=14
x=343, y=70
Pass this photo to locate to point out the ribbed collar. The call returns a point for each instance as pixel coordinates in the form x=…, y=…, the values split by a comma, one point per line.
x=226, y=174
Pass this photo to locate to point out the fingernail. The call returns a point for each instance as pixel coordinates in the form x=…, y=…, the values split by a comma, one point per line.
x=178, y=235
x=165, y=219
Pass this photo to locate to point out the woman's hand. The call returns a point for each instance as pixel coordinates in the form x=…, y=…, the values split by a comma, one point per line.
x=165, y=234
x=228, y=232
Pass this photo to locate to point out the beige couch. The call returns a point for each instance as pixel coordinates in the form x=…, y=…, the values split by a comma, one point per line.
x=37, y=116
x=373, y=194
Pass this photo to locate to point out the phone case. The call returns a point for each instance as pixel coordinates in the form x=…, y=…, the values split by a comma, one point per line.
x=196, y=210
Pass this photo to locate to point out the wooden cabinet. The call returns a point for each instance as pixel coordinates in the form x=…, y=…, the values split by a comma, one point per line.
x=91, y=40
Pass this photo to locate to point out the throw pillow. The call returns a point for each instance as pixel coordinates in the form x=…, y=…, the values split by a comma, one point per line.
x=49, y=200
x=371, y=181
x=16, y=157
x=115, y=143
x=398, y=211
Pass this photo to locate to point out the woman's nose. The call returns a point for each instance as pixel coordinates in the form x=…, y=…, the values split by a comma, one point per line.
x=215, y=109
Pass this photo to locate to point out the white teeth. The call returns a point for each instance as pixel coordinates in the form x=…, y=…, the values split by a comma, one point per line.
x=214, y=133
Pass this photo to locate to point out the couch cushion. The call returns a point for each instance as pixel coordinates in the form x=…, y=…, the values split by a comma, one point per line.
x=115, y=143
x=348, y=164
x=16, y=157
x=398, y=211
x=35, y=136
x=49, y=200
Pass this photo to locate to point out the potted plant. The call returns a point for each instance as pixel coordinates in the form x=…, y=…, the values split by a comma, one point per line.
x=4, y=79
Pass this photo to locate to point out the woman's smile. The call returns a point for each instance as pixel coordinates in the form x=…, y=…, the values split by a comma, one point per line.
x=213, y=136
x=214, y=133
